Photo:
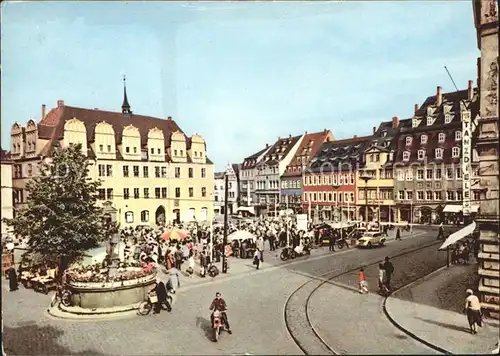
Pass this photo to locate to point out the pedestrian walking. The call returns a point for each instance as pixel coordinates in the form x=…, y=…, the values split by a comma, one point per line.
x=331, y=243
x=260, y=247
x=363, y=286
x=398, y=234
x=381, y=280
x=473, y=310
x=256, y=259
x=389, y=270
x=440, y=232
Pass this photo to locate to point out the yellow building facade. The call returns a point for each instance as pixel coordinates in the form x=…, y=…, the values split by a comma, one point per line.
x=376, y=194
x=151, y=172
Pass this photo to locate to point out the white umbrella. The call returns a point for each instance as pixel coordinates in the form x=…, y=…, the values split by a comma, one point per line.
x=241, y=235
x=460, y=234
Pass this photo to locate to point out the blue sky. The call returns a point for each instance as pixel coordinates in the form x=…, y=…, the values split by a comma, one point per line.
x=239, y=74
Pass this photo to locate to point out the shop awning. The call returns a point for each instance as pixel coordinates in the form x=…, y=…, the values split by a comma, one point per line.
x=452, y=208
x=457, y=236
x=455, y=208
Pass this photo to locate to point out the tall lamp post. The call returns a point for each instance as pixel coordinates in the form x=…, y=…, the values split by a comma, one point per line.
x=365, y=177
x=224, y=258
x=411, y=210
x=336, y=187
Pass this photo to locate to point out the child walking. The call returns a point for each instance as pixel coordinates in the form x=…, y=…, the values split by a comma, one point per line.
x=363, y=288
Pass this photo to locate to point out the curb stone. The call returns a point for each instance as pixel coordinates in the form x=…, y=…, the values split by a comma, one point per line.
x=406, y=331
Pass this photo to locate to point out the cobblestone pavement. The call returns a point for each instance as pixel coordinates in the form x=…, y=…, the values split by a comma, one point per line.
x=255, y=302
x=431, y=310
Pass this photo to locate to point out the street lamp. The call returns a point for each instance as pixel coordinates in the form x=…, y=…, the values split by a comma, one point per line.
x=411, y=210
x=366, y=177
x=336, y=187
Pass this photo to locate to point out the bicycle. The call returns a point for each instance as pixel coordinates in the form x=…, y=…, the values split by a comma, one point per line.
x=146, y=306
x=62, y=295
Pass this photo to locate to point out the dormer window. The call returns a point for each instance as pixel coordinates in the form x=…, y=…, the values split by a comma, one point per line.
x=406, y=156
x=423, y=139
x=447, y=118
x=421, y=154
x=414, y=123
x=408, y=140
x=458, y=135
x=441, y=137
x=430, y=120
x=384, y=133
x=439, y=153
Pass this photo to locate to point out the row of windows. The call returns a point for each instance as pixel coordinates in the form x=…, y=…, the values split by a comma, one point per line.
x=451, y=195
x=436, y=174
x=159, y=193
x=286, y=184
x=438, y=153
x=345, y=179
x=129, y=215
x=106, y=170
x=441, y=138
x=231, y=195
x=346, y=197
x=373, y=194
x=272, y=184
x=135, y=150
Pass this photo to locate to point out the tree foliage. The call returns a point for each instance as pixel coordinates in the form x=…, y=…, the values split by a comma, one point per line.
x=61, y=218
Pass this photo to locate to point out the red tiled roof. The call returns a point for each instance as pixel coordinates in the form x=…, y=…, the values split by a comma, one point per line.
x=4, y=155
x=52, y=126
x=294, y=168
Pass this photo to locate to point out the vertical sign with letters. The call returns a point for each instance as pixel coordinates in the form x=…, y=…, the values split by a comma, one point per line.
x=466, y=161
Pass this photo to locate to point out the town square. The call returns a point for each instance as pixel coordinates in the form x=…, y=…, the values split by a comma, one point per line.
x=250, y=178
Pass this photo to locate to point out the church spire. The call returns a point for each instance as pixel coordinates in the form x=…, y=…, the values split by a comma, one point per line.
x=125, y=105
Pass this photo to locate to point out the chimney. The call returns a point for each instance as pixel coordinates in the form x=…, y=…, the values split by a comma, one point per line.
x=290, y=136
x=355, y=136
x=395, y=122
x=439, y=96
x=306, y=132
x=60, y=103
x=470, y=89
x=267, y=145
x=169, y=118
x=415, y=108
x=44, y=108
x=374, y=129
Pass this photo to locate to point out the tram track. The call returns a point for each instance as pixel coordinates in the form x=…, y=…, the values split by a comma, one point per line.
x=296, y=310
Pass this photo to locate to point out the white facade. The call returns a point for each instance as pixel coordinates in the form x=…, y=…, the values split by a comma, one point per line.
x=7, y=197
x=219, y=191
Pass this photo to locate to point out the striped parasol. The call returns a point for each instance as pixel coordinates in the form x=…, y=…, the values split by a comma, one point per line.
x=175, y=234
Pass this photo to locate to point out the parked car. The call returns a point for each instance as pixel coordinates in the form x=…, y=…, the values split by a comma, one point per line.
x=370, y=239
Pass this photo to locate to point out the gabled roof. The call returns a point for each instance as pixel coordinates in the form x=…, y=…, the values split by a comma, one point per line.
x=251, y=161
x=280, y=148
x=307, y=149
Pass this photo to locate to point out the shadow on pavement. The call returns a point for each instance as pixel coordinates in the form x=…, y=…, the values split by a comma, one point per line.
x=205, y=325
x=445, y=325
x=33, y=339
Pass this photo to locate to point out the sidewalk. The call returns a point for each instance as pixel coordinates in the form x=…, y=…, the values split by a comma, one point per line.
x=430, y=311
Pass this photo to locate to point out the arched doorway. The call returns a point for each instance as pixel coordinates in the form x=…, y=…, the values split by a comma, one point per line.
x=160, y=216
x=176, y=216
x=425, y=215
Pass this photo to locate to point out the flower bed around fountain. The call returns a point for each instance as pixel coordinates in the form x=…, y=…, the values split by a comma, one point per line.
x=93, y=287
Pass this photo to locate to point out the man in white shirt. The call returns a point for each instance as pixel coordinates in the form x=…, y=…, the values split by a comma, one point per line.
x=473, y=311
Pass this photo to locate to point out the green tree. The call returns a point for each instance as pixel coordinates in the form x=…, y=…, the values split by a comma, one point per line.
x=61, y=219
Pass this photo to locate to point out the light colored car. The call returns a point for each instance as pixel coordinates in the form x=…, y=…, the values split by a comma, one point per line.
x=370, y=239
